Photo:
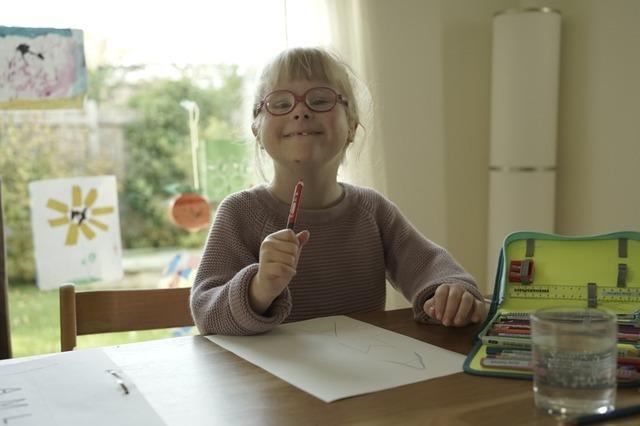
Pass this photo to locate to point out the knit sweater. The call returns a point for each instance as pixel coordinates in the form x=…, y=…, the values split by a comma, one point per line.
x=354, y=245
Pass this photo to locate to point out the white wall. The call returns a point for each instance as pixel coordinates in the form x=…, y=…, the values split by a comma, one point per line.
x=599, y=119
x=466, y=60
x=428, y=66
x=599, y=131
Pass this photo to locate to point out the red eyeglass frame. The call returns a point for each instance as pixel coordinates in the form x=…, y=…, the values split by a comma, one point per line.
x=298, y=99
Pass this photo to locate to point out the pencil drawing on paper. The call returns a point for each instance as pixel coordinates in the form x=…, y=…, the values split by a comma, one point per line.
x=373, y=346
x=324, y=331
x=365, y=349
x=416, y=363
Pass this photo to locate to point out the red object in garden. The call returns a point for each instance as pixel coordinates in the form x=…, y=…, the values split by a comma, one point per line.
x=190, y=211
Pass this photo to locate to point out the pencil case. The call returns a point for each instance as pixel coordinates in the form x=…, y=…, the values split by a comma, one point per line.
x=538, y=270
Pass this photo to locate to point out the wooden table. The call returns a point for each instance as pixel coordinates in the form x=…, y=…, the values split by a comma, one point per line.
x=191, y=381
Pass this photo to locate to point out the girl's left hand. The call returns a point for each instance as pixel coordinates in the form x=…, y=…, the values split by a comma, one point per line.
x=453, y=305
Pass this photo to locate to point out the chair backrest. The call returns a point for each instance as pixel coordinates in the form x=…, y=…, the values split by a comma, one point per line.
x=5, y=330
x=104, y=311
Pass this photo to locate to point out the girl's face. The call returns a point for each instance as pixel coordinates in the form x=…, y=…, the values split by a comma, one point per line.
x=304, y=140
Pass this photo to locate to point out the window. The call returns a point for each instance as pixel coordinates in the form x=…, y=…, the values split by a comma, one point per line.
x=148, y=64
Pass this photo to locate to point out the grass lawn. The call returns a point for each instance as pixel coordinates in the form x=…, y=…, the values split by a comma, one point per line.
x=35, y=324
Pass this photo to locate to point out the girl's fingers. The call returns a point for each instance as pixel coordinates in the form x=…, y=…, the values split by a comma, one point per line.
x=453, y=302
x=440, y=300
x=278, y=258
x=465, y=309
x=283, y=240
x=274, y=245
x=453, y=305
x=303, y=238
x=271, y=256
x=428, y=308
x=278, y=270
x=284, y=235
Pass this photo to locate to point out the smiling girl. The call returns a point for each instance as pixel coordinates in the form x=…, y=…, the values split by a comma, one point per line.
x=256, y=274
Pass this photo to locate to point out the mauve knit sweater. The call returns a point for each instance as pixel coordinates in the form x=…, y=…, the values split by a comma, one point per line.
x=354, y=245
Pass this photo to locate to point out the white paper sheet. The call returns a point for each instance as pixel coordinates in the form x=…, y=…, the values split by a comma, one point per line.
x=337, y=357
x=74, y=388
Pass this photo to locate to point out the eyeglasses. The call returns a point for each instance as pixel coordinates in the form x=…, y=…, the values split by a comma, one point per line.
x=318, y=99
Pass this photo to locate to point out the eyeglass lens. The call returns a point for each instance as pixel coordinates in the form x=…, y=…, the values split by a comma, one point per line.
x=319, y=99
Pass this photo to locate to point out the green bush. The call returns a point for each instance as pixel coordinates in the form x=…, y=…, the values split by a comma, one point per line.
x=159, y=154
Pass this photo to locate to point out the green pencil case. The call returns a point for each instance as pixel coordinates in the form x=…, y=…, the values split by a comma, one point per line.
x=538, y=270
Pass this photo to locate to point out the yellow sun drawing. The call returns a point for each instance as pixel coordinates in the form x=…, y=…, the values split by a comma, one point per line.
x=80, y=215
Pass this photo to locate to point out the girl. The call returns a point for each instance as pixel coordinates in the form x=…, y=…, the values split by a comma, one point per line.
x=255, y=275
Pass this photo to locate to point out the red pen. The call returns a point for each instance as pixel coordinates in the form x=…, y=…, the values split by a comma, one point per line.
x=295, y=204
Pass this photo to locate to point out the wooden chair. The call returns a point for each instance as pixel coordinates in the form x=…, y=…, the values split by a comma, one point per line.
x=5, y=330
x=105, y=311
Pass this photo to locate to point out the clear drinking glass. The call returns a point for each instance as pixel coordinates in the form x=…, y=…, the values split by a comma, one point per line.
x=574, y=360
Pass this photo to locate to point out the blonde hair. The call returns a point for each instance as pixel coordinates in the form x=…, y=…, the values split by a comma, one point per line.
x=307, y=63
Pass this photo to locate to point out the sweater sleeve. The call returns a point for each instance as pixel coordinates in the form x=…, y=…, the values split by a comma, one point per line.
x=415, y=265
x=220, y=293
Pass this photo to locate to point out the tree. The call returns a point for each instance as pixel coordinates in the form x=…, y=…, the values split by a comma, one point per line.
x=159, y=155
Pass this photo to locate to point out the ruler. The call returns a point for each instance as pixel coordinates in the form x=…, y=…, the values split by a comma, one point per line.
x=573, y=292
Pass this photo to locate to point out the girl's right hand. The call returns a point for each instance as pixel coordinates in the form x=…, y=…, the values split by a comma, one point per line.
x=279, y=254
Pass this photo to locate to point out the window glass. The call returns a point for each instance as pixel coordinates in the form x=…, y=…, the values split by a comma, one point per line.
x=150, y=65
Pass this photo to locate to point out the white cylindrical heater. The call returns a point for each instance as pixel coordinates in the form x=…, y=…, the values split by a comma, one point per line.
x=524, y=112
